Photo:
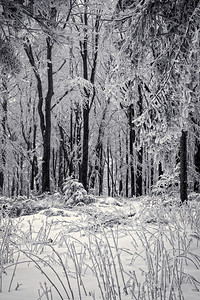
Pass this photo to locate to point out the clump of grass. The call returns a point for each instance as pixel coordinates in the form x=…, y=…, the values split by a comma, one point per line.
x=104, y=267
x=165, y=248
x=44, y=292
x=159, y=253
x=35, y=240
x=107, y=267
x=6, y=250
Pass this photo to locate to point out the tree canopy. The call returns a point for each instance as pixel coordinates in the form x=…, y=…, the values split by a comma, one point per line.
x=102, y=91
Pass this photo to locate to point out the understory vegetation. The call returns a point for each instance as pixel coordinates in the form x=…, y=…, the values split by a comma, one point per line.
x=109, y=249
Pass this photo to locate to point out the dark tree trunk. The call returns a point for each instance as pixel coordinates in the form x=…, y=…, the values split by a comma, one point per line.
x=21, y=181
x=183, y=167
x=139, y=181
x=120, y=187
x=129, y=111
x=61, y=167
x=112, y=173
x=45, y=117
x=47, y=131
x=62, y=158
x=54, y=166
x=72, y=144
x=139, y=172
x=108, y=169
x=13, y=186
x=89, y=97
x=101, y=169
x=120, y=168
x=85, y=149
x=2, y=176
x=160, y=170
x=92, y=175
x=77, y=142
x=86, y=108
x=131, y=141
x=151, y=183
x=3, y=139
x=34, y=163
x=98, y=168
x=127, y=170
x=197, y=167
x=34, y=174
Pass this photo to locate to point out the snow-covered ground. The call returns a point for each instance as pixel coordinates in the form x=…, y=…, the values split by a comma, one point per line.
x=107, y=250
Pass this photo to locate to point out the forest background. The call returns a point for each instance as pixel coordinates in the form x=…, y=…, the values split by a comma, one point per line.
x=106, y=92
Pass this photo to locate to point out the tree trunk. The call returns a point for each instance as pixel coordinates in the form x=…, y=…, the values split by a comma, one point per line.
x=47, y=131
x=183, y=167
x=3, y=139
x=62, y=157
x=54, y=166
x=139, y=182
x=120, y=167
x=21, y=173
x=197, y=167
x=127, y=170
x=13, y=185
x=77, y=142
x=108, y=169
x=131, y=141
x=101, y=169
x=61, y=167
x=139, y=172
x=89, y=97
x=85, y=148
x=160, y=170
x=34, y=163
x=97, y=169
x=72, y=144
x=45, y=118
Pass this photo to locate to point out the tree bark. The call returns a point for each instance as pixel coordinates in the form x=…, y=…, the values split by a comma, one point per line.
x=34, y=163
x=89, y=97
x=127, y=170
x=84, y=164
x=197, y=166
x=47, y=131
x=139, y=181
x=160, y=170
x=63, y=158
x=120, y=167
x=45, y=117
x=139, y=172
x=72, y=144
x=86, y=108
x=98, y=167
x=183, y=167
x=108, y=169
x=77, y=142
x=101, y=169
x=131, y=141
x=3, y=139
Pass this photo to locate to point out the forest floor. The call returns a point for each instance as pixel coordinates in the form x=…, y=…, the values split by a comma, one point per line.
x=146, y=248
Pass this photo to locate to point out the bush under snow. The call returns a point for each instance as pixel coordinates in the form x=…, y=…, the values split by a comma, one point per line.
x=74, y=193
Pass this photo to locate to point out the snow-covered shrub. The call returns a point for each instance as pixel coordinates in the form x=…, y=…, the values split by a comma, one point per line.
x=74, y=193
x=194, y=197
x=167, y=184
x=20, y=206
